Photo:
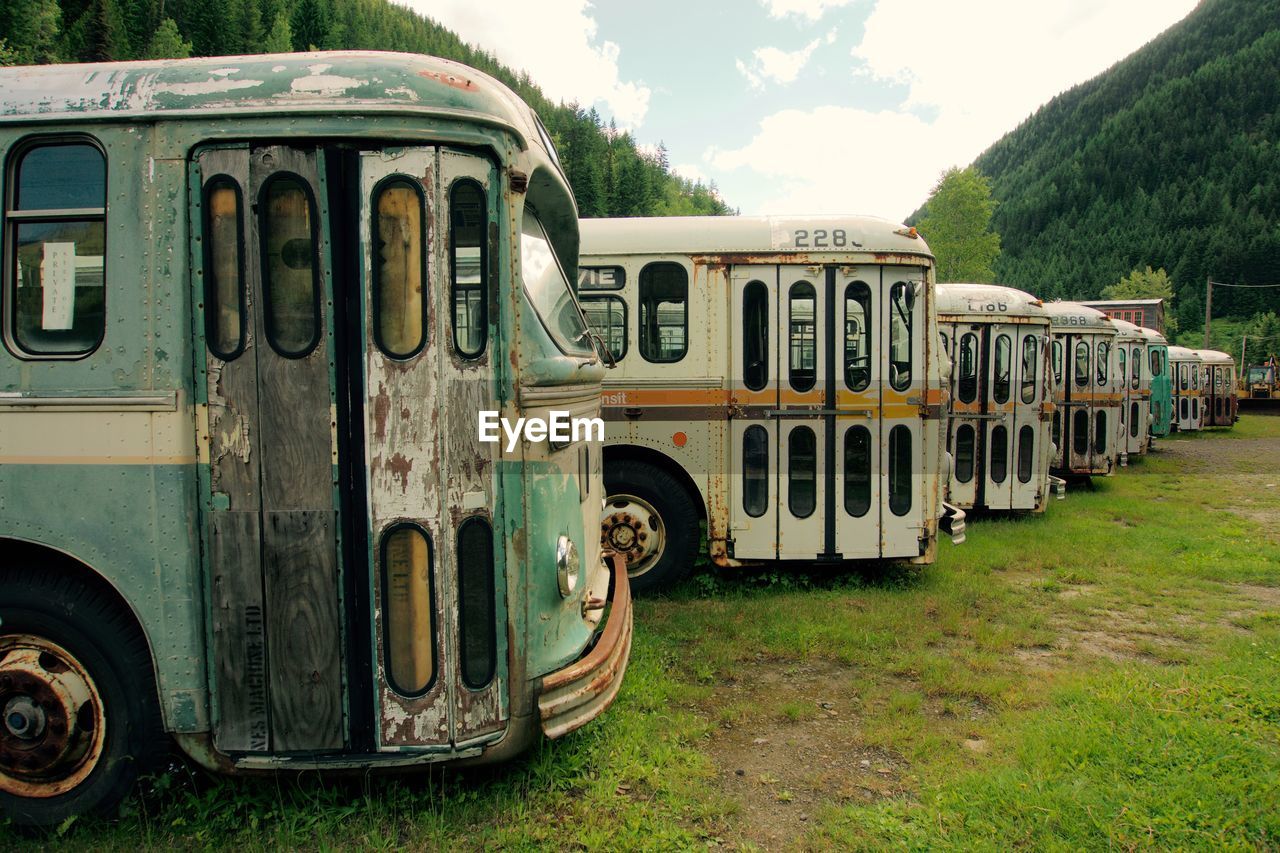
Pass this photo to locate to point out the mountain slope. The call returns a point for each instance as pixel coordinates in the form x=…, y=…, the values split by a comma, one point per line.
x=1170, y=158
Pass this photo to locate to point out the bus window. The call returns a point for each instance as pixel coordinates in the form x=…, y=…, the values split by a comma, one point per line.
x=901, y=302
x=664, y=311
x=290, y=273
x=803, y=369
x=1082, y=363
x=1157, y=369
x=755, y=335
x=964, y=453
x=1103, y=351
x=755, y=471
x=968, y=368
x=223, y=268
x=1057, y=428
x=1080, y=432
x=857, y=471
x=1026, y=451
x=999, y=453
x=1136, y=362
x=1182, y=376
x=549, y=291
x=1100, y=432
x=410, y=615
x=900, y=470
x=1121, y=352
x=607, y=315
x=1057, y=363
x=56, y=240
x=1000, y=386
x=1134, y=418
x=470, y=292
x=400, y=268
x=802, y=472
x=1030, y=368
x=476, y=612
x=857, y=336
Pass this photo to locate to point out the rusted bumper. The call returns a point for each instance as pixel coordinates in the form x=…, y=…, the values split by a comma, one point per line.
x=571, y=697
x=952, y=523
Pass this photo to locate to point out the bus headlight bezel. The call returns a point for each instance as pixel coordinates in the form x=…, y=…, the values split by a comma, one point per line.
x=568, y=565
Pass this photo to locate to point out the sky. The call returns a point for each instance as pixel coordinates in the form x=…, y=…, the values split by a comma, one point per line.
x=811, y=106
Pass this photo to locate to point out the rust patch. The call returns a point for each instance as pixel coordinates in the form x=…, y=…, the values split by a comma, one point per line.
x=449, y=80
x=381, y=409
x=400, y=467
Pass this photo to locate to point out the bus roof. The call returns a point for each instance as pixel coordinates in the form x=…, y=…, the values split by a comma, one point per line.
x=1073, y=315
x=1213, y=356
x=714, y=235
x=329, y=81
x=1183, y=354
x=987, y=300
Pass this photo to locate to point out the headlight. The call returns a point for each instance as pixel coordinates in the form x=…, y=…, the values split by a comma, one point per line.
x=567, y=565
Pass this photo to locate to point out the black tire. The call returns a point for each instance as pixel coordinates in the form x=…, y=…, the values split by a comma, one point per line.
x=676, y=509
x=88, y=623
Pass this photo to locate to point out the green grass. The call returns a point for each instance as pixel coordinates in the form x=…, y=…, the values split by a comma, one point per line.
x=1094, y=677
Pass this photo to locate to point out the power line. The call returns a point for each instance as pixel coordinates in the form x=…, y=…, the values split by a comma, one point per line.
x=1222, y=284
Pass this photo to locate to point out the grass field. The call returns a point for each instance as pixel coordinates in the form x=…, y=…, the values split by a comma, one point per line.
x=1106, y=675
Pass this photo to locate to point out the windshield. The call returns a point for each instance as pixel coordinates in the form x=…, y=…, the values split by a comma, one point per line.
x=1259, y=374
x=548, y=289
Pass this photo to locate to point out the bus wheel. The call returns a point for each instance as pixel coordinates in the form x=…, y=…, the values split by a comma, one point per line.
x=78, y=715
x=652, y=521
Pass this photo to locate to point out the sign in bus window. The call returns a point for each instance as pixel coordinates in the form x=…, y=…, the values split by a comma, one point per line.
x=664, y=311
x=400, y=268
x=1030, y=367
x=410, y=615
x=57, y=240
x=223, y=268
x=602, y=278
x=857, y=336
x=755, y=335
x=968, y=386
x=469, y=296
x=802, y=366
x=291, y=276
x=1003, y=366
x=607, y=316
x=902, y=301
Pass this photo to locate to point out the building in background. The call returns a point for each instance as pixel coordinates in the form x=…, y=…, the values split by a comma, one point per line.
x=1141, y=312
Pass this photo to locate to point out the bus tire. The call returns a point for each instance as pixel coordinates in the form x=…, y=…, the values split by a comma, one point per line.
x=651, y=519
x=79, y=720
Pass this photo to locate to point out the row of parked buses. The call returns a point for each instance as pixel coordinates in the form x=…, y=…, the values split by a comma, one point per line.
x=252, y=310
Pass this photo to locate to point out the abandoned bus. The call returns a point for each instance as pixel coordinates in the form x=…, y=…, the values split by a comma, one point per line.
x=780, y=378
x=1001, y=400
x=1185, y=367
x=1133, y=373
x=1218, y=378
x=252, y=307
x=1086, y=391
x=1161, y=386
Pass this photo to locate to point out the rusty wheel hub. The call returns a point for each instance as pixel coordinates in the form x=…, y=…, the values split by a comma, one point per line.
x=51, y=720
x=633, y=528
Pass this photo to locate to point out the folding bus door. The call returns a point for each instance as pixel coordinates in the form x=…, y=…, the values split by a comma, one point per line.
x=753, y=427
x=902, y=368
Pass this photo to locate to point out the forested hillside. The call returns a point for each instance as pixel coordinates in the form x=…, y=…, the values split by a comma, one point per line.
x=610, y=174
x=1171, y=159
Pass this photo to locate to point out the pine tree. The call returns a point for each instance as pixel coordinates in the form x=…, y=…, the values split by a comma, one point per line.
x=310, y=24
x=167, y=43
x=280, y=39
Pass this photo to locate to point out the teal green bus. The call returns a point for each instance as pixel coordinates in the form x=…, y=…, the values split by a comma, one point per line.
x=1161, y=383
x=252, y=310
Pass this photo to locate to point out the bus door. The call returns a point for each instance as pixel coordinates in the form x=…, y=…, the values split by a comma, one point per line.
x=968, y=395
x=1077, y=381
x=903, y=371
x=753, y=425
x=1027, y=428
x=856, y=469
x=271, y=507
x=439, y=594
x=999, y=426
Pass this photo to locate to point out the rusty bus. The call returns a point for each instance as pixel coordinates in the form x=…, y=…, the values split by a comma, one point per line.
x=251, y=306
x=1135, y=347
x=1185, y=367
x=1086, y=390
x=778, y=377
x=1001, y=397
x=1218, y=379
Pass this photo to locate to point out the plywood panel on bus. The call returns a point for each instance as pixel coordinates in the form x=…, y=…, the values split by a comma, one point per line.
x=300, y=566
x=239, y=632
x=296, y=432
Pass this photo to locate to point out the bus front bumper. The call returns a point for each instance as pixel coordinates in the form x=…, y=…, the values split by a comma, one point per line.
x=571, y=697
x=952, y=523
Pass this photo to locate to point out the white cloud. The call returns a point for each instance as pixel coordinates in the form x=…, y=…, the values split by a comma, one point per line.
x=555, y=42
x=690, y=172
x=974, y=69
x=810, y=10
x=780, y=66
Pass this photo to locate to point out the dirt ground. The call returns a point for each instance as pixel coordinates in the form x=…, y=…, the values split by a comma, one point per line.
x=787, y=741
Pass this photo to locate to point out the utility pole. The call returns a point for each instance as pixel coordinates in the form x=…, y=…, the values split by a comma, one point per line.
x=1208, y=307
